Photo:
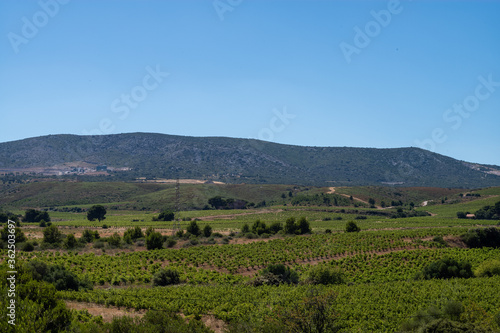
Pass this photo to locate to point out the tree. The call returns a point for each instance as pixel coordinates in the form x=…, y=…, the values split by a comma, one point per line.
x=259, y=228
x=193, y=228
x=52, y=235
x=290, y=226
x=217, y=202
x=166, y=215
x=461, y=215
x=96, y=212
x=303, y=226
x=245, y=228
x=154, y=241
x=351, y=226
x=207, y=231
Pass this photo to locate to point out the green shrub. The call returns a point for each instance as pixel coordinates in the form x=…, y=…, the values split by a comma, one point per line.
x=70, y=241
x=324, y=275
x=445, y=268
x=283, y=273
x=114, y=240
x=351, y=226
x=154, y=241
x=52, y=235
x=245, y=228
x=165, y=277
x=193, y=229
x=207, y=231
x=488, y=268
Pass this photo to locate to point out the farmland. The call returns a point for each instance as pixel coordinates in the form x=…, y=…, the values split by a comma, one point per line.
x=219, y=273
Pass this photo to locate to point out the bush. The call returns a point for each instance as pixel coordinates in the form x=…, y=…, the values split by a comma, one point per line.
x=193, y=229
x=133, y=234
x=439, y=240
x=351, y=226
x=165, y=277
x=88, y=236
x=207, y=231
x=275, y=227
x=461, y=215
x=303, y=226
x=324, y=275
x=328, y=231
x=259, y=228
x=154, y=241
x=170, y=242
x=283, y=273
x=114, y=240
x=27, y=247
x=251, y=235
x=290, y=226
x=482, y=237
x=20, y=236
x=70, y=241
x=245, y=228
x=445, y=268
x=488, y=268
x=52, y=235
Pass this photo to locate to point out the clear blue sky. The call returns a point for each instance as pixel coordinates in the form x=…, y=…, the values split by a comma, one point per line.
x=84, y=66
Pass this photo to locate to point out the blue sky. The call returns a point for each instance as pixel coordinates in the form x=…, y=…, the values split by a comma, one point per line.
x=319, y=73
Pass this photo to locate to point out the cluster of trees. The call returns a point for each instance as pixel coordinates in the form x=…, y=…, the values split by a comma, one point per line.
x=165, y=215
x=322, y=199
x=33, y=215
x=482, y=237
x=445, y=268
x=292, y=227
x=485, y=213
x=218, y=202
x=6, y=216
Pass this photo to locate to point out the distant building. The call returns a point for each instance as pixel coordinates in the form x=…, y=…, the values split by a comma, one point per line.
x=470, y=216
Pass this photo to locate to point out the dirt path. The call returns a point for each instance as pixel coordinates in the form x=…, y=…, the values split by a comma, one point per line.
x=109, y=312
x=332, y=190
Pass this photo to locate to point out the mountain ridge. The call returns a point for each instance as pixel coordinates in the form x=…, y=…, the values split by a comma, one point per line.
x=235, y=160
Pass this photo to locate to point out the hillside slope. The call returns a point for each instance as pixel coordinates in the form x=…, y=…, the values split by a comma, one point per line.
x=246, y=161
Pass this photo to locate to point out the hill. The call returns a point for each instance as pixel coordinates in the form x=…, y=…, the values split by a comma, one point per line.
x=133, y=155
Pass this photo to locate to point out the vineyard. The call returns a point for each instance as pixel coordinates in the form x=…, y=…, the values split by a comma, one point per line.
x=377, y=289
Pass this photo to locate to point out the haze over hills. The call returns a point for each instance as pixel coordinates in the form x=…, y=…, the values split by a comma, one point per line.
x=133, y=155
